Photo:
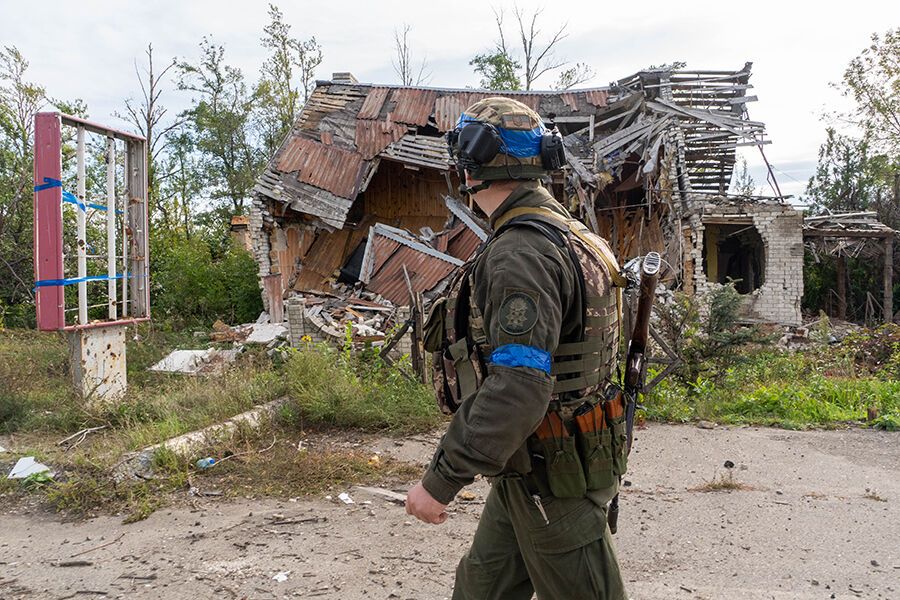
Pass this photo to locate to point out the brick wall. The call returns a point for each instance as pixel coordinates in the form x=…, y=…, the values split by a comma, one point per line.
x=781, y=228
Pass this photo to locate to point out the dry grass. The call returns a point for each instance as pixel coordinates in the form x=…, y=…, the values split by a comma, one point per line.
x=722, y=483
x=872, y=494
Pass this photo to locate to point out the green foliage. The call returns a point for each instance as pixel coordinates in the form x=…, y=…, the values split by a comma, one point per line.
x=872, y=80
x=743, y=183
x=191, y=283
x=221, y=124
x=362, y=391
x=709, y=344
x=498, y=70
x=280, y=94
x=822, y=387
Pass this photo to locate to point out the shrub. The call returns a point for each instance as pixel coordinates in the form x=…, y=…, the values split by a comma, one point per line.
x=361, y=391
x=191, y=284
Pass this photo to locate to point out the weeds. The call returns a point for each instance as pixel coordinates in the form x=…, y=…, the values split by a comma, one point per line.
x=722, y=483
x=331, y=388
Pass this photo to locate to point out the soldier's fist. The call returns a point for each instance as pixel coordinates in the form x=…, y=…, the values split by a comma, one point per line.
x=422, y=506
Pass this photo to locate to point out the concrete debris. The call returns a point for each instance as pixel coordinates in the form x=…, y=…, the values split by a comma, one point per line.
x=25, y=467
x=345, y=498
x=2, y=449
x=262, y=318
x=264, y=333
x=327, y=318
x=196, y=362
x=281, y=576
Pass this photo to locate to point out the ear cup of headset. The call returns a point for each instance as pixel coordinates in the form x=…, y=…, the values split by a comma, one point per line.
x=478, y=143
x=553, y=153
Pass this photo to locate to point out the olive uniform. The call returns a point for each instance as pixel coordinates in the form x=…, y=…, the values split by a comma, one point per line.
x=527, y=296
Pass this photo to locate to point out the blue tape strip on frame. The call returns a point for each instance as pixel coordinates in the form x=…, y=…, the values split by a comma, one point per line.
x=74, y=280
x=69, y=197
x=518, y=355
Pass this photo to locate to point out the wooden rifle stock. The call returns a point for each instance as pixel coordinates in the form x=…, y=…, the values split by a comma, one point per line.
x=635, y=362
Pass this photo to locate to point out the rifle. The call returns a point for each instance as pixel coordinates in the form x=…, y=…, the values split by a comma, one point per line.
x=635, y=362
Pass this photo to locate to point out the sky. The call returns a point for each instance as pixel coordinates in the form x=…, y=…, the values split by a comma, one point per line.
x=88, y=49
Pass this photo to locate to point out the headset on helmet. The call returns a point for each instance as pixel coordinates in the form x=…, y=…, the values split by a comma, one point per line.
x=474, y=144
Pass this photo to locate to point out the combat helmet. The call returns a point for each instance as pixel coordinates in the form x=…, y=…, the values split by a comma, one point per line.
x=501, y=138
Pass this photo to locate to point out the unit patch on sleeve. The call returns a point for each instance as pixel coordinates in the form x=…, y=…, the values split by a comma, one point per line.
x=518, y=313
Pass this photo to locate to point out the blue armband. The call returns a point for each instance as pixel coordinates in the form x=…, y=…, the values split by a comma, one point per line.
x=517, y=355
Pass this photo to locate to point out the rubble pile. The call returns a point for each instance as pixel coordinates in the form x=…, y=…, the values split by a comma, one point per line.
x=327, y=317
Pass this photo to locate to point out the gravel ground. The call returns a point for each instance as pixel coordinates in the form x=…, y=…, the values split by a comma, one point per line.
x=819, y=518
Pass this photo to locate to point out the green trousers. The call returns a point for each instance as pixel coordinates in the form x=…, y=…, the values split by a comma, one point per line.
x=516, y=553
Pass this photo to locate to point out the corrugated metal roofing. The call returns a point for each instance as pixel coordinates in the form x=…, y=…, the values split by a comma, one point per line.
x=411, y=106
x=371, y=108
x=425, y=272
x=374, y=136
x=327, y=167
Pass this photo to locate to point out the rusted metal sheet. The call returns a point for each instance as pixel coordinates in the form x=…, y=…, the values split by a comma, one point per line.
x=425, y=272
x=330, y=168
x=599, y=98
x=374, y=136
x=448, y=108
x=324, y=257
x=463, y=242
x=412, y=106
x=371, y=108
x=570, y=99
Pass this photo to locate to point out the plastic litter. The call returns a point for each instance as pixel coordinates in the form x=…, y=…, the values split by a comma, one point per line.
x=26, y=466
x=205, y=463
x=345, y=498
x=281, y=576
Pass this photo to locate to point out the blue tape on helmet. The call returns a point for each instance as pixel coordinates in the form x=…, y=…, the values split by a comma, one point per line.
x=516, y=142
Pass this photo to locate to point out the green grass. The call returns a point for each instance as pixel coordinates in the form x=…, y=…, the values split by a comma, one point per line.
x=330, y=388
x=794, y=391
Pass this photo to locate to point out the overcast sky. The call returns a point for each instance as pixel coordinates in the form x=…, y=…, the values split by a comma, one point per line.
x=86, y=49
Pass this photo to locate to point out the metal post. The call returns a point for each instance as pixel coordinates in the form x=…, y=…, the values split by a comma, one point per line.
x=889, y=279
x=111, y=224
x=125, y=308
x=48, y=229
x=81, y=242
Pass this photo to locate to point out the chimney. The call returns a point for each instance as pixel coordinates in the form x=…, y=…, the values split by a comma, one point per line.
x=344, y=77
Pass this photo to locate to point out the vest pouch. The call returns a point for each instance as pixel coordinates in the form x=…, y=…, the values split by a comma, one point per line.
x=466, y=377
x=615, y=419
x=433, y=330
x=595, y=447
x=565, y=473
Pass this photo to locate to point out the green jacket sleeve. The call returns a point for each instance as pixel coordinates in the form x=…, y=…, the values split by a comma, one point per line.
x=522, y=286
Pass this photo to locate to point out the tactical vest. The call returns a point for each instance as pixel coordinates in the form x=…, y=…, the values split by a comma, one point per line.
x=455, y=332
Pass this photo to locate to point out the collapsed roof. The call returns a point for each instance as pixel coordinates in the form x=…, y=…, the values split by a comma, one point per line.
x=347, y=128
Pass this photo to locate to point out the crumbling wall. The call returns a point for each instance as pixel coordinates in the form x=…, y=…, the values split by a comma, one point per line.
x=777, y=300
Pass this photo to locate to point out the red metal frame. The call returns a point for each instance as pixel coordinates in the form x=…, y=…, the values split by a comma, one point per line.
x=48, y=225
x=48, y=221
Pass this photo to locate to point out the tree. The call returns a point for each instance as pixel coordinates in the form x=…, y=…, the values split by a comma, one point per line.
x=872, y=80
x=147, y=117
x=743, y=183
x=403, y=63
x=535, y=58
x=221, y=125
x=844, y=180
x=20, y=100
x=280, y=94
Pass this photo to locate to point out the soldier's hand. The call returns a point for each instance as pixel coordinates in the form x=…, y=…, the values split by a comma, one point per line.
x=422, y=506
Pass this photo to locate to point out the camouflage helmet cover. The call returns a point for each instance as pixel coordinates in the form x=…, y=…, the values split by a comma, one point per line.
x=520, y=129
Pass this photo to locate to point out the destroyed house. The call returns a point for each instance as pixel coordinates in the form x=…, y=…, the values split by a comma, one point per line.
x=362, y=190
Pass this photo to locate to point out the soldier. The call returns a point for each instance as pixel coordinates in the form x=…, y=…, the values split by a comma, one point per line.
x=528, y=342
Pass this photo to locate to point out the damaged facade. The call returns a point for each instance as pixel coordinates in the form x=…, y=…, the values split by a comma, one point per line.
x=362, y=191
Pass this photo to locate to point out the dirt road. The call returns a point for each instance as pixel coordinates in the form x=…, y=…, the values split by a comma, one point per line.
x=821, y=520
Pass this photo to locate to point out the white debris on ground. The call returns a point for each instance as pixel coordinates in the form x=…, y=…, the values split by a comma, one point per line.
x=196, y=362
x=25, y=467
x=345, y=498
